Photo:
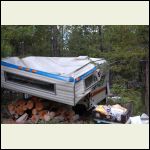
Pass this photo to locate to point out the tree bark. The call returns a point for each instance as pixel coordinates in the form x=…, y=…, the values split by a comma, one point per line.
x=101, y=38
x=147, y=87
x=54, y=41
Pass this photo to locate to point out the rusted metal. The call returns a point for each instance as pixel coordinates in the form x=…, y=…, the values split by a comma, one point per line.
x=98, y=91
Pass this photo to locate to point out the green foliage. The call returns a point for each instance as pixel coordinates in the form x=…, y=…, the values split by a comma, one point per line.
x=6, y=49
x=129, y=95
x=118, y=89
x=138, y=102
x=124, y=46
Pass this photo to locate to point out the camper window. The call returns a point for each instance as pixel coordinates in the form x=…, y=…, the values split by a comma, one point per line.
x=22, y=80
x=102, y=81
x=91, y=80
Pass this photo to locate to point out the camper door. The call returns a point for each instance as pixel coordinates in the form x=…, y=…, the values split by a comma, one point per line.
x=99, y=92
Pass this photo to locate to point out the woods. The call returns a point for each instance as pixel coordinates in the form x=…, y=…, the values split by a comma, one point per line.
x=123, y=47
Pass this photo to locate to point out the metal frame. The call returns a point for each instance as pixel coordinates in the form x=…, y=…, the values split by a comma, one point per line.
x=85, y=65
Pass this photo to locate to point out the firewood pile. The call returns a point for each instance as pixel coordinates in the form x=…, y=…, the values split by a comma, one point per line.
x=35, y=110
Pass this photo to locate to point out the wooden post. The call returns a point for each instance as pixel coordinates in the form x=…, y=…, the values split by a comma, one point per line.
x=145, y=81
x=147, y=86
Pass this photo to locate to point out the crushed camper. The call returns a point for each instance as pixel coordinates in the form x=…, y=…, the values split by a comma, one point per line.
x=67, y=80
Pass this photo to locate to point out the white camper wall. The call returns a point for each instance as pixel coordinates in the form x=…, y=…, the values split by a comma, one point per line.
x=64, y=90
x=80, y=91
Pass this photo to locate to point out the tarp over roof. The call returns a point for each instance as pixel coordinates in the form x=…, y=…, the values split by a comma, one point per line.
x=64, y=66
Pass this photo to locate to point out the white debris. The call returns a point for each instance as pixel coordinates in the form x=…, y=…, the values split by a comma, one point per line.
x=143, y=119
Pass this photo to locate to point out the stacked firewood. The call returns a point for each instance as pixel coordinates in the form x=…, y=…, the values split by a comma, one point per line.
x=35, y=109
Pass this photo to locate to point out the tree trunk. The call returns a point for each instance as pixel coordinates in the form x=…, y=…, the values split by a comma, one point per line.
x=145, y=83
x=54, y=41
x=62, y=36
x=101, y=38
x=147, y=87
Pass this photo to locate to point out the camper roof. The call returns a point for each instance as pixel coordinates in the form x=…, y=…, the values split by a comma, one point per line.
x=61, y=66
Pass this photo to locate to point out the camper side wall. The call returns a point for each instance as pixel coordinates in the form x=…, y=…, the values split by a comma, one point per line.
x=63, y=91
x=100, y=87
x=80, y=91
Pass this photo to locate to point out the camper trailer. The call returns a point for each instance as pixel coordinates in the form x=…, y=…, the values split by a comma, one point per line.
x=68, y=80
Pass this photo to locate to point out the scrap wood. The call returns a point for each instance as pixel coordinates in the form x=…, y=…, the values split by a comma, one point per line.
x=22, y=119
x=30, y=104
x=11, y=108
x=35, y=118
x=39, y=106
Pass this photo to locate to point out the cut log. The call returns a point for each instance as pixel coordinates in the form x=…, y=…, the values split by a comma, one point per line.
x=11, y=108
x=42, y=113
x=39, y=106
x=22, y=119
x=30, y=104
x=19, y=110
x=35, y=118
x=52, y=114
x=24, y=107
x=59, y=118
x=49, y=116
x=75, y=118
x=34, y=111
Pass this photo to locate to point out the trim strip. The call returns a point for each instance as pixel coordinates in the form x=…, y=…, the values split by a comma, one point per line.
x=98, y=91
x=85, y=75
x=50, y=75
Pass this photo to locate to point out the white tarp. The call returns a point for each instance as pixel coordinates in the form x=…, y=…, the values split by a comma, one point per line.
x=143, y=119
x=57, y=65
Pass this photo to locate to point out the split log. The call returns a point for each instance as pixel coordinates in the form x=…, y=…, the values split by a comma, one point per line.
x=49, y=116
x=59, y=118
x=22, y=119
x=11, y=108
x=42, y=113
x=75, y=118
x=30, y=104
x=35, y=118
x=34, y=111
x=39, y=106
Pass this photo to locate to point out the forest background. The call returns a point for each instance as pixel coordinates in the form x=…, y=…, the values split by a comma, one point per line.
x=125, y=47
